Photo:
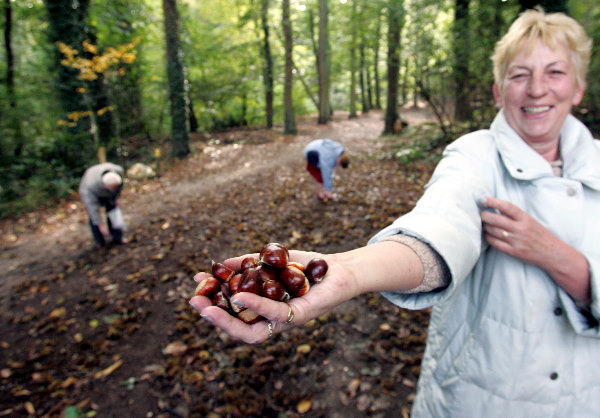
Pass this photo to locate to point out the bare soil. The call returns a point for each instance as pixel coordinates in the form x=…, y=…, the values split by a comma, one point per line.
x=110, y=332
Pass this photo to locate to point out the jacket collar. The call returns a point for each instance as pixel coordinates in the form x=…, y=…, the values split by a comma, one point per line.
x=578, y=149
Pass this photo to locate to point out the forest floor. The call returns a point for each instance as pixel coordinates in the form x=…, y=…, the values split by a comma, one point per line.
x=110, y=333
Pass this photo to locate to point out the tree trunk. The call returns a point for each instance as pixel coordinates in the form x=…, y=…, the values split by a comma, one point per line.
x=14, y=120
x=353, y=30
x=396, y=21
x=176, y=78
x=288, y=102
x=67, y=24
x=268, y=64
x=324, y=63
x=462, y=110
x=376, y=61
x=363, y=87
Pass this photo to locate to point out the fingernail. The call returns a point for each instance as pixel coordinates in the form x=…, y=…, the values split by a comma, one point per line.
x=193, y=306
x=207, y=318
x=238, y=303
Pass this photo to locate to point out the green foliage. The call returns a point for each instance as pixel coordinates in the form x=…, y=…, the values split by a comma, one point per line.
x=48, y=169
x=221, y=44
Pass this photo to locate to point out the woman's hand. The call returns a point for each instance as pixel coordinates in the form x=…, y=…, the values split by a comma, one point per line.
x=382, y=266
x=516, y=233
x=321, y=298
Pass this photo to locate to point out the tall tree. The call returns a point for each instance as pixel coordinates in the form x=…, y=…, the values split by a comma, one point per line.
x=376, y=60
x=324, y=63
x=288, y=102
x=353, y=69
x=462, y=55
x=176, y=77
x=68, y=24
x=396, y=21
x=268, y=63
x=14, y=120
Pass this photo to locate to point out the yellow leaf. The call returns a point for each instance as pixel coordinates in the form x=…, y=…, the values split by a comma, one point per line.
x=29, y=408
x=103, y=373
x=69, y=381
x=175, y=348
x=303, y=348
x=58, y=313
x=304, y=406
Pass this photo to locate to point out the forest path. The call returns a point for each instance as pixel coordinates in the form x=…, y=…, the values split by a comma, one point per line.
x=54, y=236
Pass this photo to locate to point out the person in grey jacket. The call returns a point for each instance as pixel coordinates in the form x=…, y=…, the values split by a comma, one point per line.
x=101, y=186
x=503, y=245
x=322, y=156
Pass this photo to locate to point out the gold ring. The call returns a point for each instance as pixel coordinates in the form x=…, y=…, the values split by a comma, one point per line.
x=270, y=326
x=290, y=317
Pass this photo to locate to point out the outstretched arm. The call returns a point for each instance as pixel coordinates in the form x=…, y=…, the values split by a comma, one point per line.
x=384, y=266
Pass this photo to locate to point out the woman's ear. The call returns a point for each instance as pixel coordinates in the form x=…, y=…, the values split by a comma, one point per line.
x=497, y=95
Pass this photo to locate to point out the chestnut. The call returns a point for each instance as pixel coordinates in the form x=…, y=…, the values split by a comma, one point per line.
x=250, y=282
x=266, y=272
x=293, y=279
x=275, y=255
x=221, y=271
x=221, y=300
x=316, y=270
x=274, y=290
x=208, y=287
x=234, y=283
x=249, y=262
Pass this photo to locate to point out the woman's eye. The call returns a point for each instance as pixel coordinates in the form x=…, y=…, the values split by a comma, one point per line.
x=517, y=76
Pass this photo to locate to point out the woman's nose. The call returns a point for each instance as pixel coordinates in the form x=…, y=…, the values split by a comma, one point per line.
x=537, y=85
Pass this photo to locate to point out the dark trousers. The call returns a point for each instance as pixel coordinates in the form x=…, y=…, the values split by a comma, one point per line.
x=116, y=234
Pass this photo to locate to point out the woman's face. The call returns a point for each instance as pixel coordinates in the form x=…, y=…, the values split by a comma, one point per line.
x=539, y=90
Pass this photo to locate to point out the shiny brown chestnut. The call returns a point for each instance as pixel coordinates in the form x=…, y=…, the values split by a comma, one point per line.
x=221, y=271
x=315, y=270
x=249, y=262
x=208, y=287
x=221, y=300
x=274, y=290
x=293, y=279
x=234, y=283
x=275, y=255
x=250, y=282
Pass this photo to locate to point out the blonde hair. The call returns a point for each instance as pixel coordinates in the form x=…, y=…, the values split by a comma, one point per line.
x=553, y=29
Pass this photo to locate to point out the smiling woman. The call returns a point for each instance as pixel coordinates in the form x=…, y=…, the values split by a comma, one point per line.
x=540, y=75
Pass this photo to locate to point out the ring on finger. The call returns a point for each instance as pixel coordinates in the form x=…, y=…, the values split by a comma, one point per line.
x=270, y=327
x=290, y=316
x=505, y=234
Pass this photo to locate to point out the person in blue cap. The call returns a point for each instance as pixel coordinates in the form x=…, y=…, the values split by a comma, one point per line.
x=322, y=156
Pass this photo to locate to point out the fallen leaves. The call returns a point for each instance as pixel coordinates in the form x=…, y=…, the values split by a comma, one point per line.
x=118, y=320
x=109, y=370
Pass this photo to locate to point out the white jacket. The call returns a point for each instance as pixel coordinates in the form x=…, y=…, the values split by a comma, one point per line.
x=504, y=339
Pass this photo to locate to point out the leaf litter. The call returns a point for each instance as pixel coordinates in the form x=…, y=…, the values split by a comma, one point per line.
x=98, y=333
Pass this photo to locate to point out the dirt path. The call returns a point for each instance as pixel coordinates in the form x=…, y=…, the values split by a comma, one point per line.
x=110, y=332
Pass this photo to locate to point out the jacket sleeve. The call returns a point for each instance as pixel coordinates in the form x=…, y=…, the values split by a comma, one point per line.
x=585, y=320
x=447, y=217
x=90, y=201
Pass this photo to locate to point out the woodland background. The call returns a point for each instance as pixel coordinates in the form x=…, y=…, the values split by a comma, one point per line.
x=137, y=78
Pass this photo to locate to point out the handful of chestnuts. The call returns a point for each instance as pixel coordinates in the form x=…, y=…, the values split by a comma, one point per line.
x=271, y=275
